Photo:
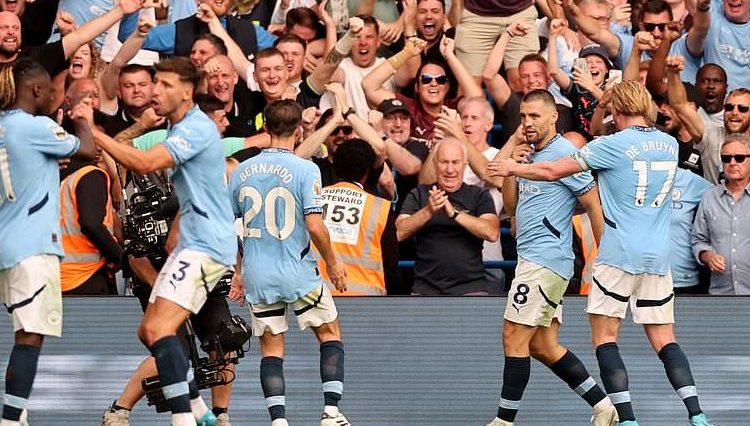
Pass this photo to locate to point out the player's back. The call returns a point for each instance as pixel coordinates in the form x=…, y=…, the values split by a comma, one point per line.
x=272, y=192
x=29, y=174
x=636, y=170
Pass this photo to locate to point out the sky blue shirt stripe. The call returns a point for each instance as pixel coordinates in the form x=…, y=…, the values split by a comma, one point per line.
x=272, y=192
x=30, y=225
x=206, y=221
x=544, y=211
x=635, y=169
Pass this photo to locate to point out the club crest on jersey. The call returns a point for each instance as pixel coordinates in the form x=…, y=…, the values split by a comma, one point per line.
x=60, y=133
x=316, y=188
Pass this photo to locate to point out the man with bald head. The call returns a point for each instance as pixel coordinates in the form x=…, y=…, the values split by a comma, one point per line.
x=449, y=214
x=222, y=83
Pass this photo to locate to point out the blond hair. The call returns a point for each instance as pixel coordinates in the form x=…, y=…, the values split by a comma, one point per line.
x=631, y=98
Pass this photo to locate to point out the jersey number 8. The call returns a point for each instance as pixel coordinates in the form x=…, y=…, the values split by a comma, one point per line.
x=257, y=202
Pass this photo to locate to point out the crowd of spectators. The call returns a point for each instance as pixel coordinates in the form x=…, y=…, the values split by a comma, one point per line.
x=432, y=86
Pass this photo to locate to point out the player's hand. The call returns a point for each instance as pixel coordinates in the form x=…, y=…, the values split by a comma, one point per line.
x=83, y=111
x=716, y=263
x=66, y=23
x=522, y=153
x=675, y=64
x=63, y=163
x=149, y=119
x=437, y=200
x=237, y=289
x=337, y=273
x=645, y=41
x=501, y=167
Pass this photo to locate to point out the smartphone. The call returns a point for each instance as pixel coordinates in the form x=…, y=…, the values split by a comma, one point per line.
x=615, y=77
x=581, y=64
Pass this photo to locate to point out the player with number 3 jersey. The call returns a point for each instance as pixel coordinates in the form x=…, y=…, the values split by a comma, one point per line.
x=636, y=168
x=277, y=195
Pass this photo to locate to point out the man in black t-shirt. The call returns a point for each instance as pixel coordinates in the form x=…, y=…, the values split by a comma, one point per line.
x=451, y=221
x=222, y=83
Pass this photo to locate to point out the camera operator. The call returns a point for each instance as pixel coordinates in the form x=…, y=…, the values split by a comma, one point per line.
x=87, y=219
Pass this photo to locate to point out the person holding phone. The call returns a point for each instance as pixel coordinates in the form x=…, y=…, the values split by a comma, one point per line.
x=586, y=87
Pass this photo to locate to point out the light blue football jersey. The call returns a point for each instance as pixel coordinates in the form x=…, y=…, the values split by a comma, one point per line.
x=30, y=185
x=636, y=169
x=273, y=192
x=686, y=195
x=206, y=222
x=544, y=211
x=83, y=11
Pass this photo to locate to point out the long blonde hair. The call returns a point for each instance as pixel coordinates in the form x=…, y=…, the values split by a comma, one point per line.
x=631, y=98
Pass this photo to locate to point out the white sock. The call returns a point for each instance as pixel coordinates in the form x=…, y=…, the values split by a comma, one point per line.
x=602, y=405
x=5, y=422
x=198, y=407
x=183, y=419
x=279, y=422
x=331, y=410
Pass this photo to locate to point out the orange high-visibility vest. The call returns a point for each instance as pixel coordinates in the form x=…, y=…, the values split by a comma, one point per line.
x=582, y=227
x=355, y=221
x=82, y=258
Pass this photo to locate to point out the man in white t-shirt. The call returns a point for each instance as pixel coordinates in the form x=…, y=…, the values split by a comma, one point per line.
x=477, y=118
x=354, y=68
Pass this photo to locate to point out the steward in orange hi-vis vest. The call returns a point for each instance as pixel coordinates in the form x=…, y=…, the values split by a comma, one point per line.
x=356, y=220
x=82, y=258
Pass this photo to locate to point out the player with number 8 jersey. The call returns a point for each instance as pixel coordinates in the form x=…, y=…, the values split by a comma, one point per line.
x=635, y=168
x=277, y=195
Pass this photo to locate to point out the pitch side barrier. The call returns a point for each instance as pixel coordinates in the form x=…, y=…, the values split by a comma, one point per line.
x=410, y=361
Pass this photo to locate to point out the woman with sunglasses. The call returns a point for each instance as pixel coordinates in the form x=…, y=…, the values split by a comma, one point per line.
x=432, y=87
x=721, y=230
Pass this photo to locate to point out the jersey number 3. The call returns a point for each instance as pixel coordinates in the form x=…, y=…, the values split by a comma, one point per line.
x=257, y=202
x=641, y=167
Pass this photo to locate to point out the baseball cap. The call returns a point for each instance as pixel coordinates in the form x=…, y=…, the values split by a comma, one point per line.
x=389, y=106
x=598, y=50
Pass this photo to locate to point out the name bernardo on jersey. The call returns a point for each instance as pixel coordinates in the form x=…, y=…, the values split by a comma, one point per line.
x=266, y=168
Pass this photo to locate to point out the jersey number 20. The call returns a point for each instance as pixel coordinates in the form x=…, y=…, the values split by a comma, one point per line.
x=257, y=202
x=641, y=168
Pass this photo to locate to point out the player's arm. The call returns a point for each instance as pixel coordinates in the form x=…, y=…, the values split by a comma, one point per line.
x=590, y=201
x=141, y=162
x=321, y=239
x=546, y=171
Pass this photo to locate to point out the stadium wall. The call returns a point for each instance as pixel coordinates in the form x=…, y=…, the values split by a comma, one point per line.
x=409, y=361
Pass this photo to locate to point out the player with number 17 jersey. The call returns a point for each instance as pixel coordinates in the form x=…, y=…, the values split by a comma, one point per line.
x=273, y=192
x=636, y=169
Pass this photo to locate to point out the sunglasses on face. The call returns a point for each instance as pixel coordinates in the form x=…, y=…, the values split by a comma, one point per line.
x=346, y=130
x=730, y=107
x=739, y=158
x=652, y=27
x=440, y=79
